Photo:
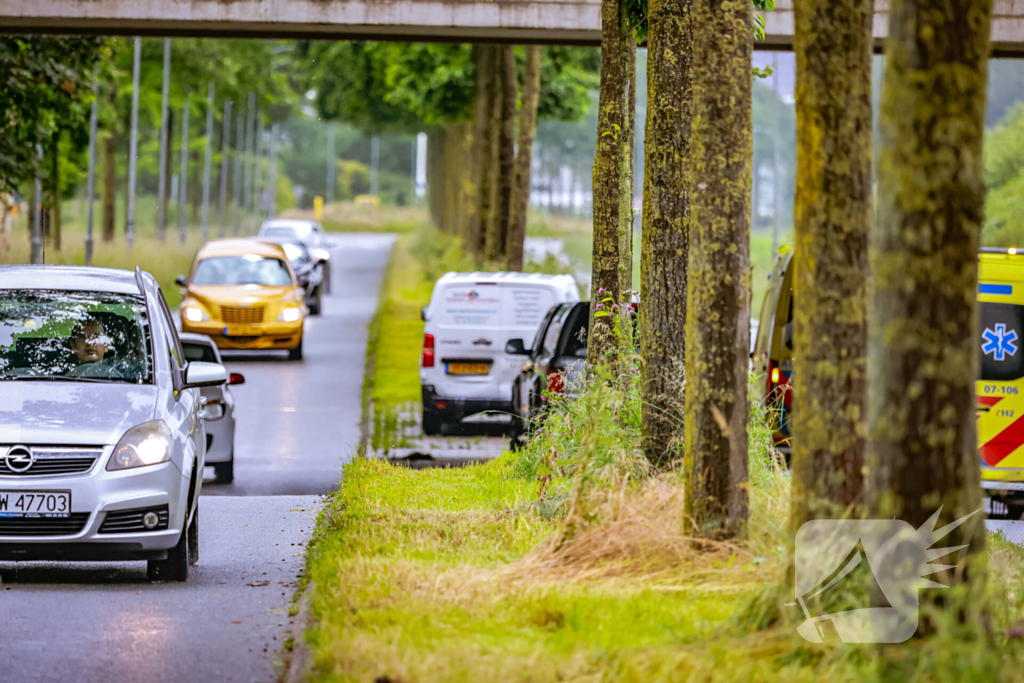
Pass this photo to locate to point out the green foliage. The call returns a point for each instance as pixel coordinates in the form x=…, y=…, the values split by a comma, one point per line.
x=406, y=86
x=759, y=25
x=45, y=86
x=1004, y=177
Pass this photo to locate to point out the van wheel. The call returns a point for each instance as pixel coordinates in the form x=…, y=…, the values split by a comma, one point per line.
x=224, y=471
x=296, y=353
x=175, y=567
x=433, y=425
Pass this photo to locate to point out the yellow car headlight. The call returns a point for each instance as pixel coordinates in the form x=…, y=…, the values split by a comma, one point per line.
x=290, y=315
x=194, y=314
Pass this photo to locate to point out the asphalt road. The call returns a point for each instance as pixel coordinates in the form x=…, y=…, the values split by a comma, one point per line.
x=297, y=424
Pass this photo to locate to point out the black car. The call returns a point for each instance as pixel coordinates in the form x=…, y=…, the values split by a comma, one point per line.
x=556, y=361
x=308, y=270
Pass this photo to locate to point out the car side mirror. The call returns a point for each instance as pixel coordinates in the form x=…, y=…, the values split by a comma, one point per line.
x=181, y=281
x=515, y=347
x=581, y=353
x=236, y=378
x=200, y=374
x=423, y=314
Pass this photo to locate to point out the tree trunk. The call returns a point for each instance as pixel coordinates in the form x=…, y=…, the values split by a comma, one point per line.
x=109, y=173
x=666, y=223
x=435, y=176
x=833, y=216
x=718, y=298
x=55, y=190
x=923, y=339
x=195, y=189
x=506, y=128
x=483, y=55
x=524, y=156
x=612, y=178
x=488, y=155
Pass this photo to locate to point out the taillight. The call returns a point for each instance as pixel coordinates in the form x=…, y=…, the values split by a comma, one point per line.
x=428, y=351
x=775, y=375
x=555, y=381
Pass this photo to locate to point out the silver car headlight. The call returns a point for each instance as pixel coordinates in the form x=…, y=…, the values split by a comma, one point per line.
x=146, y=444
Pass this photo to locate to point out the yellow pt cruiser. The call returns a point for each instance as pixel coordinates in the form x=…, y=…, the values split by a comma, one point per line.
x=244, y=294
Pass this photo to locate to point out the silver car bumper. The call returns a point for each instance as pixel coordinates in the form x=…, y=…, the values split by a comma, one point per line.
x=96, y=494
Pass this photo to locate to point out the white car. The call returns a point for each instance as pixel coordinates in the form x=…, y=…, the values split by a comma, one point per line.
x=102, y=436
x=310, y=233
x=220, y=408
x=466, y=368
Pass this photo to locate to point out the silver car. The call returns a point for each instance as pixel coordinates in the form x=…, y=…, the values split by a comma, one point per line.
x=310, y=233
x=102, y=437
x=220, y=408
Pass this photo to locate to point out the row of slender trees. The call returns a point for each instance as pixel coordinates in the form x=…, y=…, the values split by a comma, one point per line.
x=479, y=170
x=885, y=312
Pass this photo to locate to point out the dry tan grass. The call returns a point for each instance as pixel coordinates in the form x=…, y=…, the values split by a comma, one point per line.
x=630, y=531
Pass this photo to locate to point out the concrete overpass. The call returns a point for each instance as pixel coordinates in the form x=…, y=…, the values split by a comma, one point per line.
x=518, y=21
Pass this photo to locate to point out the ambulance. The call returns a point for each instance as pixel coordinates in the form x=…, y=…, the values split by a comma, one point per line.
x=999, y=391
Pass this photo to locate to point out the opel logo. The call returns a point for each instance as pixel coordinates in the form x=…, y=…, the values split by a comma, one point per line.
x=19, y=459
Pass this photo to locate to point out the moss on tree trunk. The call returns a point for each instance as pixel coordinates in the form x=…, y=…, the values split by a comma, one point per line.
x=718, y=299
x=833, y=216
x=664, y=249
x=923, y=333
x=524, y=156
x=612, y=175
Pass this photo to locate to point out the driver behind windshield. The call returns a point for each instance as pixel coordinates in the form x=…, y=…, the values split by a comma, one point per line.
x=95, y=353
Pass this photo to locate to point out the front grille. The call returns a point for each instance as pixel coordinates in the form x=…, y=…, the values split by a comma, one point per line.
x=41, y=526
x=241, y=315
x=129, y=521
x=53, y=460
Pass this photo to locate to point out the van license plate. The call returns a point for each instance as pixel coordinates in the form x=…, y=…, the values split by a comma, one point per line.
x=242, y=331
x=35, y=503
x=468, y=368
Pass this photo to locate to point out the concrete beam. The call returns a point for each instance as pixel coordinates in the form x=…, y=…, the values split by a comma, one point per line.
x=572, y=22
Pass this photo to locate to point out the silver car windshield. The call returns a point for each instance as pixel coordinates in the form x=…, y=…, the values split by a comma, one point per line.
x=297, y=255
x=73, y=336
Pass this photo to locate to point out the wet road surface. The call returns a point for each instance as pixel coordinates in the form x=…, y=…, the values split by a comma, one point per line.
x=297, y=423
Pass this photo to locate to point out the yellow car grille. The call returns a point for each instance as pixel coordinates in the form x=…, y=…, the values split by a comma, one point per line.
x=241, y=315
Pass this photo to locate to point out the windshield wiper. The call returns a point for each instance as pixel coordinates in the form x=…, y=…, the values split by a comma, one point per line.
x=62, y=378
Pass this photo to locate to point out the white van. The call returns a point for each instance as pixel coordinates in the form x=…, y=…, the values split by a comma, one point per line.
x=465, y=368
